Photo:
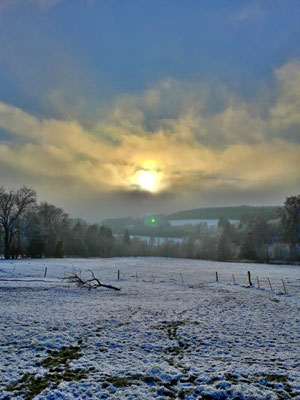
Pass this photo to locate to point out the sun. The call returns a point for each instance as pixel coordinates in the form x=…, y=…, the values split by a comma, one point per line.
x=147, y=180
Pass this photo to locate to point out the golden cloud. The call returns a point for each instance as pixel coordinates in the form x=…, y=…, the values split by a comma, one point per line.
x=190, y=149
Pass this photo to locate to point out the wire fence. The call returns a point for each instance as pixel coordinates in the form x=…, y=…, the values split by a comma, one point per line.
x=196, y=279
x=281, y=286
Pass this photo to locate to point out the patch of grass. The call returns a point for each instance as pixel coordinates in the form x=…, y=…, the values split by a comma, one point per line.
x=171, y=361
x=230, y=377
x=168, y=393
x=173, y=350
x=172, y=327
x=176, y=352
x=63, y=356
x=269, y=380
x=29, y=385
x=213, y=380
x=150, y=380
x=276, y=378
x=182, y=394
x=283, y=395
x=121, y=382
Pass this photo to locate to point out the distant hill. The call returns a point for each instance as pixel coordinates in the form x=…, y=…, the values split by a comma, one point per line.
x=237, y=212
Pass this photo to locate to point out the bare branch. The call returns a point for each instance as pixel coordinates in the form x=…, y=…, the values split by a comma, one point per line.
x=90, y=283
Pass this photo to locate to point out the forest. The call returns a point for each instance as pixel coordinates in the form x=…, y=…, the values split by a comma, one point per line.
x=29, y=228
x=237, y=212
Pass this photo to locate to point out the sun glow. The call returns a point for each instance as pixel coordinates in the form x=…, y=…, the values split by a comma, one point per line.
x=147, y=180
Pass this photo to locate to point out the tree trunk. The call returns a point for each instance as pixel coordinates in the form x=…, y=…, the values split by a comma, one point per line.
x=6, y=244
x=267, y=254
x=18, y=252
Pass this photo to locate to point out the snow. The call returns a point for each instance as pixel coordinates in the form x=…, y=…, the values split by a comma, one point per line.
x=172, y=331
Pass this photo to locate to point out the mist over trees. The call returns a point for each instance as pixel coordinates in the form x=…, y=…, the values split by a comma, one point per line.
x=32, y=229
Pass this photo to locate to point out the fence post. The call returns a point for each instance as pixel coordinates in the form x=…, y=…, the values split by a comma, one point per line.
x=45, y=273
x=284, y=286
x=217, y=278
x=249, y=278
x=181, y=277
x=270, y=283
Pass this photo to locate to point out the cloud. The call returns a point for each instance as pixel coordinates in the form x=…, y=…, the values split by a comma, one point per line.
x=65, y=104
x=199, y=145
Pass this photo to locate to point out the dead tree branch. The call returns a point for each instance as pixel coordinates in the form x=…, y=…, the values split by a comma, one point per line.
x=92, y=283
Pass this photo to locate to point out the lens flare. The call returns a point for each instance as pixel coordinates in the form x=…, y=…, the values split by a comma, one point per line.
x=152, y=220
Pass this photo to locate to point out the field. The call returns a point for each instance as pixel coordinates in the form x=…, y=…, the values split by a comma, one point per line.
x=172, y=332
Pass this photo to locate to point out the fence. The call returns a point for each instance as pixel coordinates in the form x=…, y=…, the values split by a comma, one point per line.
x=283, y=286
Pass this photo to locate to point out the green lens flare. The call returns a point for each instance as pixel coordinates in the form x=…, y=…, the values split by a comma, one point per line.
x=152, y=221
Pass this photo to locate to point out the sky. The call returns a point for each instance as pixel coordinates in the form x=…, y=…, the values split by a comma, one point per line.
x=115, y=108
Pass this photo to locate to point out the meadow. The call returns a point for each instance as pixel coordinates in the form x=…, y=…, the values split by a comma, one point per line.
x=171, y=332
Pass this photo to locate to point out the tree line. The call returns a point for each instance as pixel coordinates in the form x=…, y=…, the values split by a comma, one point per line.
x=32, y=229
x=29, y=228
x=236, y=212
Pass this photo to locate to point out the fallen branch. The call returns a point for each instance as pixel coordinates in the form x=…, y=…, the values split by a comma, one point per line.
x=92, y=283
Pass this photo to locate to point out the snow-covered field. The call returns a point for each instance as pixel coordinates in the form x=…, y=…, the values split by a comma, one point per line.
x=172, y=332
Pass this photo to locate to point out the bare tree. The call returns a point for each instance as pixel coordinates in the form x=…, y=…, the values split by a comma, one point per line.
x=54, y=223
x=13, y=206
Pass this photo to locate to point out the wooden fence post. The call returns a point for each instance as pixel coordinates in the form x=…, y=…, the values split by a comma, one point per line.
x=270, y=283
x=284, y=286
x=249, y=278
x=217, y=278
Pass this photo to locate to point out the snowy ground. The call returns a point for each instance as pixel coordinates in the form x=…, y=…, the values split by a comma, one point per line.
x=171, y=333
